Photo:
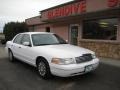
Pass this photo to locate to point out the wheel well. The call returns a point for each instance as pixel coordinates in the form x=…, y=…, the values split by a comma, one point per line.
x=39, y=58
x=9, y=49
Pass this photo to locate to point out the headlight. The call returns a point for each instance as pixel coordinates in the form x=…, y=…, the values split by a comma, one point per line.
x=63, y=61
x=93, y=56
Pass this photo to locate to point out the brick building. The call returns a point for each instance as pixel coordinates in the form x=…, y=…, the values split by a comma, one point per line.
x=93, y=24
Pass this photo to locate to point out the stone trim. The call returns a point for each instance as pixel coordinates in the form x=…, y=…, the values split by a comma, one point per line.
x=103, y=49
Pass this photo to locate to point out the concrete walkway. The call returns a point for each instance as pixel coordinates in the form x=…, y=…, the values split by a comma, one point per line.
x=3, y=54
x=110, y=61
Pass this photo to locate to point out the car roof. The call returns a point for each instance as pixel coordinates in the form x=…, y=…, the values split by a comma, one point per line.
x=36, y=33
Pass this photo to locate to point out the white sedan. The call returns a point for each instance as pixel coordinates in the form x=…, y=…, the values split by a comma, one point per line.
x=51, y=54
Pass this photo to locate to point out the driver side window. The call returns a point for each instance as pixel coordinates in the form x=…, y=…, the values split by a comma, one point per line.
x=26, y=38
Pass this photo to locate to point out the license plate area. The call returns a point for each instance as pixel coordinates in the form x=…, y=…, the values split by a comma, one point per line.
x=88, y=68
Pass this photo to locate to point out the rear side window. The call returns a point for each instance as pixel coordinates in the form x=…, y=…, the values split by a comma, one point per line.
x=18, y=39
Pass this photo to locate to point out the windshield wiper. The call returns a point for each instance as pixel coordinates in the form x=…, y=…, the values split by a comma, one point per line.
x=64, y=43
x=50, y=44
x=42, y=44
x=59, y=43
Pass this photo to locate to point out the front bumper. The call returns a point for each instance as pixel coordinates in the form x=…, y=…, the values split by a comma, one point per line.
x=73, y=69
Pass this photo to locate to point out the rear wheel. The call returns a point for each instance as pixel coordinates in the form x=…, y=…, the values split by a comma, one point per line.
x=11, y=57
x=43, y=69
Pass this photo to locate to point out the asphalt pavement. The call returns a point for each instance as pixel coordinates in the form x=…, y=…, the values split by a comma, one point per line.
x=21, y=76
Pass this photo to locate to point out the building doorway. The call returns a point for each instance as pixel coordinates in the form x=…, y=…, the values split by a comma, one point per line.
x=74, y=34
x=47, y=29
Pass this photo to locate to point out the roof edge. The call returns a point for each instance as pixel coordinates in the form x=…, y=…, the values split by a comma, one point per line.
x=33, y=17
x=67, y=3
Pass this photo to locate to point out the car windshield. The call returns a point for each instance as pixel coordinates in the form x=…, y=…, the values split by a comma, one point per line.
x=47, y=39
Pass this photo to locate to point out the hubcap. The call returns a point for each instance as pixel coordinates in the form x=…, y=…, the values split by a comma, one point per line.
x=42, y=68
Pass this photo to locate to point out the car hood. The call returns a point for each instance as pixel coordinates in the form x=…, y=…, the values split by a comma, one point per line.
x=63, y=50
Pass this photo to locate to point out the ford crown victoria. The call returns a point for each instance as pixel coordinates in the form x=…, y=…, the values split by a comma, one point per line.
x=51, y=55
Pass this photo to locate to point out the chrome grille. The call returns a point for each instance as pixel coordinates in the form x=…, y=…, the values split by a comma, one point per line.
x=84, y=58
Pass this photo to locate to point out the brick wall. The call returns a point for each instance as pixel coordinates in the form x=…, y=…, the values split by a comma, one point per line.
x=104, y=49
x=61, y=30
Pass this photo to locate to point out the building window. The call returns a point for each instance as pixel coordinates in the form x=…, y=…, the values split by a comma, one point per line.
x=47, y=29
x=100, y=29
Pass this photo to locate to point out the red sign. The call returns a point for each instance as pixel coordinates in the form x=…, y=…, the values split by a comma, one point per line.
x=77, y=8
x=67, y=10
x=113, y=3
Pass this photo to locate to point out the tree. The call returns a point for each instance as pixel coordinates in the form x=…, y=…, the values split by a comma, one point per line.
x=13, y=28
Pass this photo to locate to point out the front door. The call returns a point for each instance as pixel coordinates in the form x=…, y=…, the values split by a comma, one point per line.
x=74, y=34
x=26, y=51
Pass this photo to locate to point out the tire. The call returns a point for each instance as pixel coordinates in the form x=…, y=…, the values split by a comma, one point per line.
x=11, y=57
x=43, y=69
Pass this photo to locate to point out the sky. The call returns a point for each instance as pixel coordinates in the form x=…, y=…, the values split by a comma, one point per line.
x=19, y=10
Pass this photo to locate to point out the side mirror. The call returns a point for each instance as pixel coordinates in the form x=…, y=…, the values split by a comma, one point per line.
x=26, y=43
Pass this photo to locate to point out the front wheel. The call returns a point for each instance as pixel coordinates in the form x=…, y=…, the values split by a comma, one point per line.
x=43, y=69
x=11, y=57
